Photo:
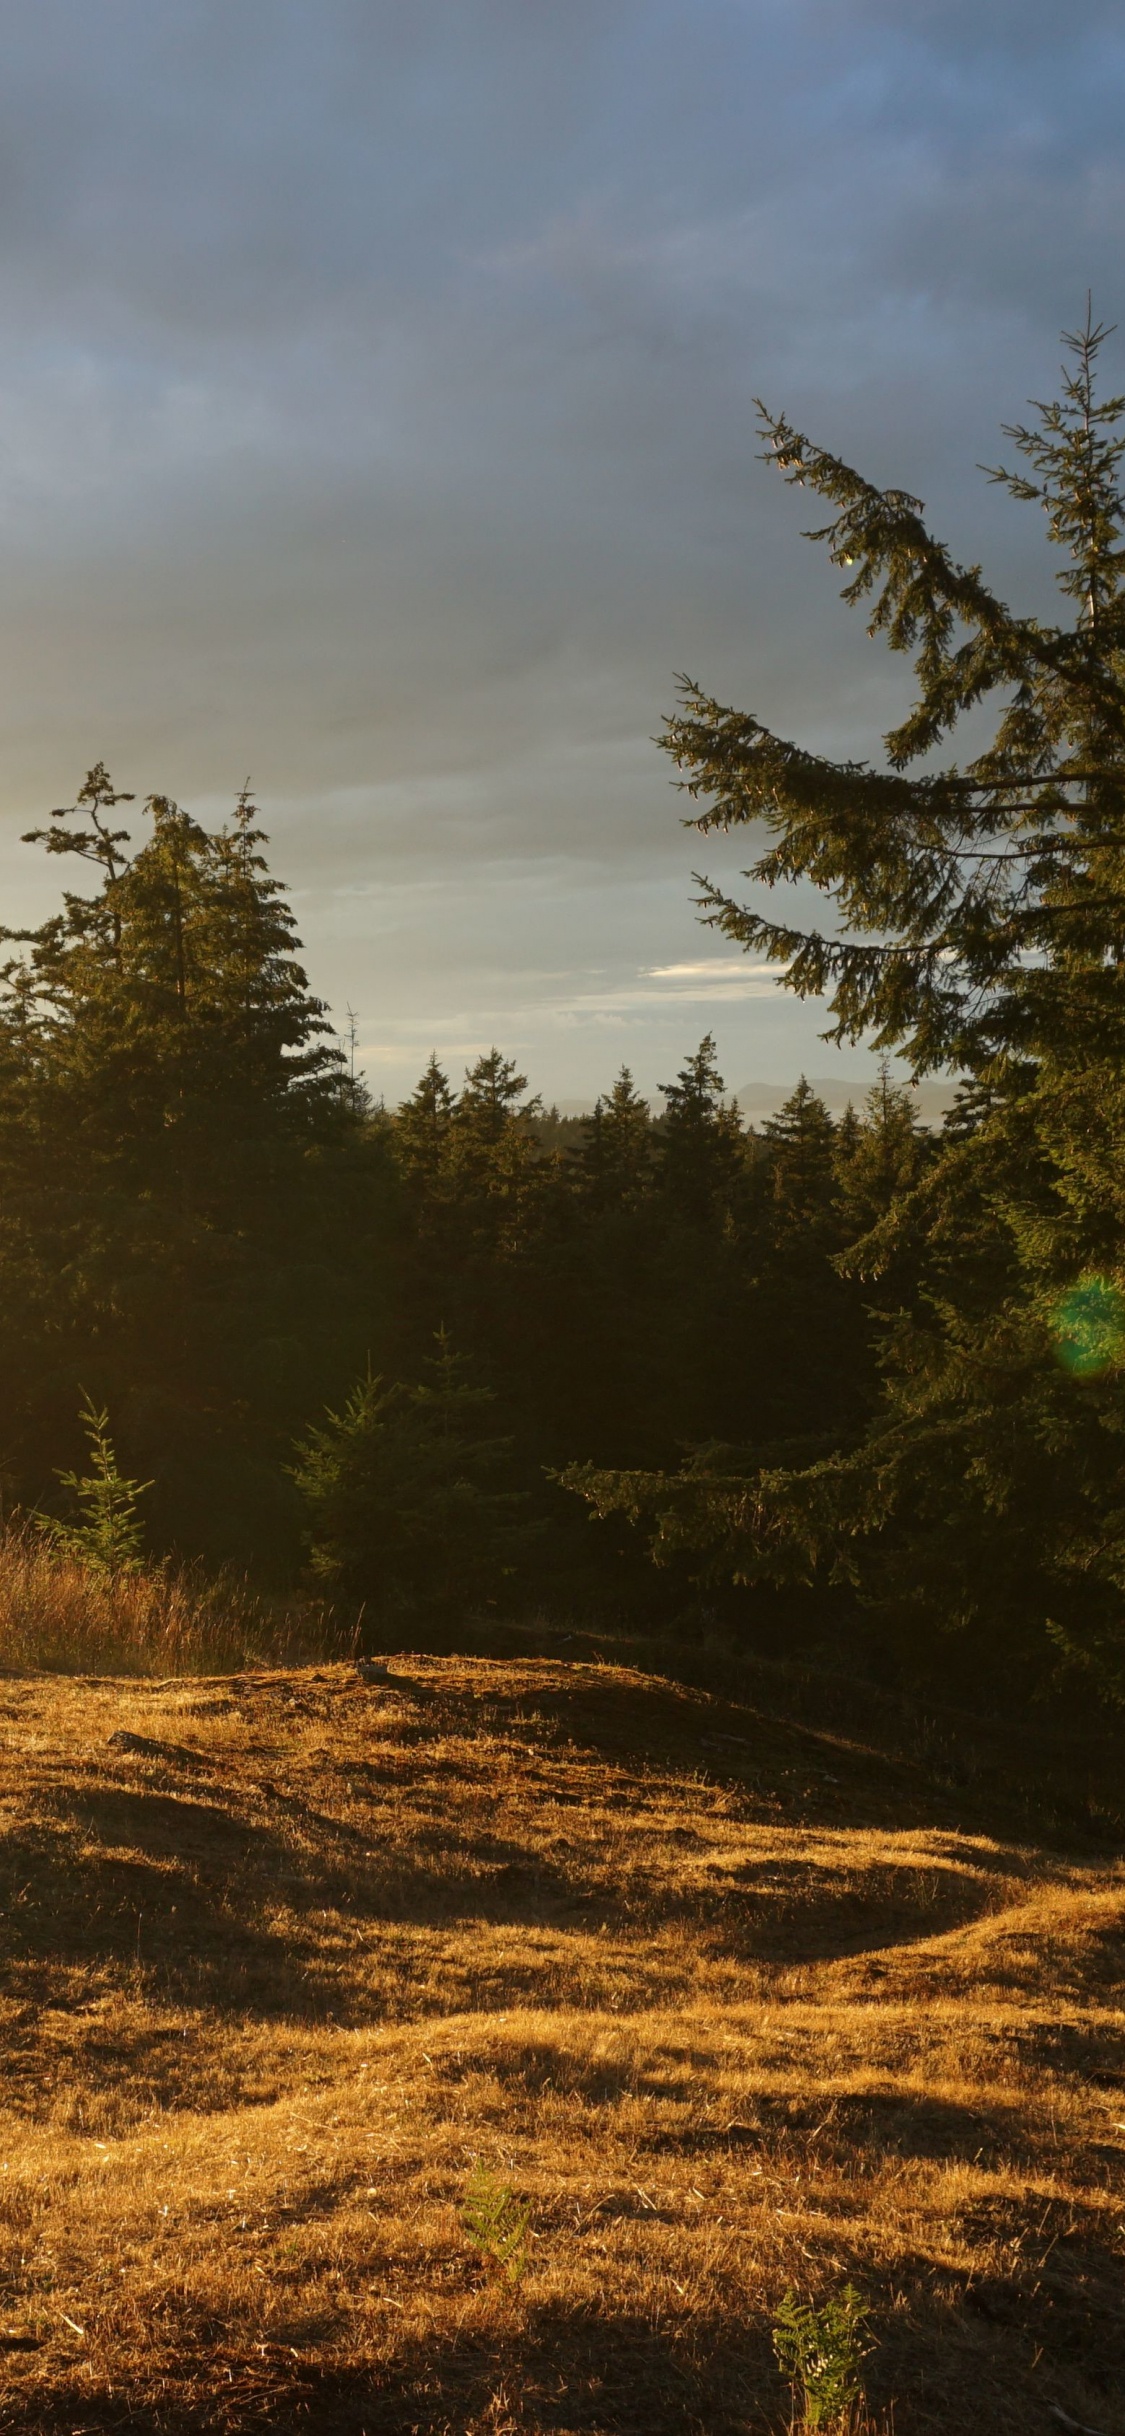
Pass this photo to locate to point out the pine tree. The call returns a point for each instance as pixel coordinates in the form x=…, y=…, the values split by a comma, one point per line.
x=169, y=1096
x=702, y=1137
x=104, y=1531
x=423, y=1127
x=881, y=1159
x=173, y=997
x=403, y=1490
x=491, y=1099
x=495, y=1164
x=980, y=925
x=801, y=1141
x=614, y=1165
x=985, y=905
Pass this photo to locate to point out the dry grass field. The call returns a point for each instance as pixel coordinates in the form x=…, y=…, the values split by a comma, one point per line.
x=733, y=2005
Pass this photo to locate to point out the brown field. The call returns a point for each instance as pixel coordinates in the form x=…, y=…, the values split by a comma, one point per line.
x=734, y=2005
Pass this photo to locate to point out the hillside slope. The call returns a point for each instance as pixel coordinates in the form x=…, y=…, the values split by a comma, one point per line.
x=731, y=2005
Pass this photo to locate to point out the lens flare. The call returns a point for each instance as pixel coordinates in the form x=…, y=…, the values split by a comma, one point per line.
x=1089, y=1324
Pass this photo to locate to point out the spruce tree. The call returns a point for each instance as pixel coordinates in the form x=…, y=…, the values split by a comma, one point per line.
x=103, y=1532
x=801, y=1141
x=170, y=1006
x=615, y=1162
x=979, y=925
x=406, y=1493
x=492, y=1097
x=495, y=1163
x=169, y=1094
x=423, y=1127
x=701, y=1137
x=881, y=1157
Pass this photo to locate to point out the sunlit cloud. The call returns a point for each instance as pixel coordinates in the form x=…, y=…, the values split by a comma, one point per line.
x=688, y=985
x=718, y=969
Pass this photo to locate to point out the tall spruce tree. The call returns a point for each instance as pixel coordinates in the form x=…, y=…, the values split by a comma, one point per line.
x=170, y=1008
x=879, y=1157
x=423, y=1128
x=801, y=1141
x=614, y=1163
x=702, y=1137
x=169, y=1091
x=980, y=925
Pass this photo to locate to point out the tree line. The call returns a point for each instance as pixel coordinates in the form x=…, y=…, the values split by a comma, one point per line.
x=854, y=1386
x=364, y=1344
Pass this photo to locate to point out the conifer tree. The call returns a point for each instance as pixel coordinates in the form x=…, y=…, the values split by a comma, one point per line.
x=702, y=1137
x=494, y=1156
x=104, y=1530
x=491, y=1098
x=404, y=1490
x=423, y=1126
x=174, y=991
x=169, y=1090
x=615, y=1162
x=801, y=1141
x=881, y=1158
x=980, y=925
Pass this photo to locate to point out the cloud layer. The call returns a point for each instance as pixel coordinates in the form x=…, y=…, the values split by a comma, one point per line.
x=377, y=418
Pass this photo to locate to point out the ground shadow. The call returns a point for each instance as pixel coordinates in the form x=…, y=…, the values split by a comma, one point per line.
x=178, y=1910
x=943, y=2354
x=554, y=2371
x=215, y=1908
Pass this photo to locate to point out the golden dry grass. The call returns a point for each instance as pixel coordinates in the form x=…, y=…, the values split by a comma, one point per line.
x=733, y=2005
x=67, y=1617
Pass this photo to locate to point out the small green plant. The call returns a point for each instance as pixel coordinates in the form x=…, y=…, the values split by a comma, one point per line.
x=820, y=2351
x=105, y=1534
x=496, y=2222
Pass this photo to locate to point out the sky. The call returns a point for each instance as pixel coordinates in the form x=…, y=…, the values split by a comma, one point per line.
x=377, y=422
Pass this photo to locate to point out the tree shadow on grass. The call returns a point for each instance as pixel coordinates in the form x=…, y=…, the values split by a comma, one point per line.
x=553, y=2371
x=950, y=2355
x=210, y=1907
x=896, y=2122
x=175, y=1911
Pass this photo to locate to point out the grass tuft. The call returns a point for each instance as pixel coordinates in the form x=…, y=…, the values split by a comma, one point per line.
x=63, y=1614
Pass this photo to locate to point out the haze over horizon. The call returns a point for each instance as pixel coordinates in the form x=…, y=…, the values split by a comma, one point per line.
x=378, y=421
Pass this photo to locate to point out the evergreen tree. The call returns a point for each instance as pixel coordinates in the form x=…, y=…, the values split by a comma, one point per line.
x=496, y=1167
x=423, y=1128
x=881, y=1157
x=981, y=924
x=615, y=1163
x=801, y=1141
x=403, y=1493
x=990, y=898
x=491, y=1099
x=104, y=1531
x=170, y=1103
x=702, y=1137
x=171, y=1017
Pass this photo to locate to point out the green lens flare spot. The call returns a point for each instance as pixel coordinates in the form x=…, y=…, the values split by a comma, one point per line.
x=1089, y=1325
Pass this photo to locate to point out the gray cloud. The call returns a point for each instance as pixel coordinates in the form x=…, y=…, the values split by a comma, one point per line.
x=377, y=417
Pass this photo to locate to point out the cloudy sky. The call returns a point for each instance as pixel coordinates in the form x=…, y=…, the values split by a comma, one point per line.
x=376, y=420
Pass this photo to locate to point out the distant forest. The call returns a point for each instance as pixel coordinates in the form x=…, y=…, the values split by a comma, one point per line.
x=841, y=1387
x=209, y=1229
